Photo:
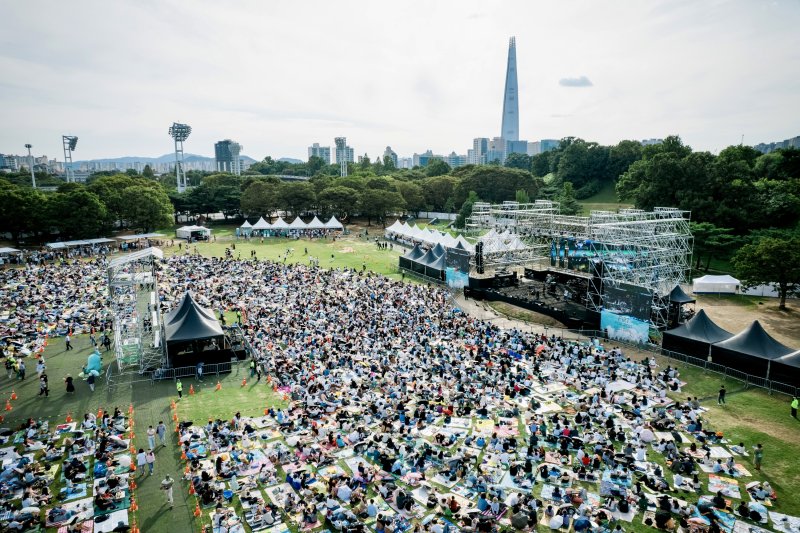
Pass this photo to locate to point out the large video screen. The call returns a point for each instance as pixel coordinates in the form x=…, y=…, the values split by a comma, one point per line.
x=626, y=299
x=457, y=268
x=624, y=328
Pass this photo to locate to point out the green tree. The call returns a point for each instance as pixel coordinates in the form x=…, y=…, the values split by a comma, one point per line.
x=364, y=163
x=76, y=214
x=147, y=172
x=261, y=198
x=388, y=163
x=341, y=201
x=437, y=167
x=314, y=165
x=710, y=241
x=493, y=184
x=378, y=203
x=297, y=197
x=109, y=189
x=520, y=161
x=567, y=203
x=466, y=209
x=522, y=197
x=771, y=261
x=438, y=190
x=412, y=194
x=20, y=210
x=146, y=208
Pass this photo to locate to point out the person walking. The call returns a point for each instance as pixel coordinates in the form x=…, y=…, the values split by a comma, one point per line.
x=90, y=381
x=106, y=342
x=40, y=367
x=150, y=458
x=151, y=437
x=179, y=386
x=794, y=405
x=166, y=486
x=199, y=371
x=43, y=387
x=141, y=460
x=758, y=456
x=68, y=343
x=252, y=367
x=721, y=397
x=21, y=370
x=161, y=431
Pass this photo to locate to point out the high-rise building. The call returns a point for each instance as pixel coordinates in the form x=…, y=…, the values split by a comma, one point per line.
x=650, y=142
x=510, y=128
x=405, y=162
x=422, y=160
x=477, y=155
x=548, y=144
x=323, y=152
x=766, y=148
x=496, y=150
x=227, y=157
x=344, y=153
x=455, y=160
x=391, y=155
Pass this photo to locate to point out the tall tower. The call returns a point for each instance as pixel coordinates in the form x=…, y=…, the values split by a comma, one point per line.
x=510, y=130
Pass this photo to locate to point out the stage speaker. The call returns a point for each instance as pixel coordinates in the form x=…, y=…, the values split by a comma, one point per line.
x=479, y=257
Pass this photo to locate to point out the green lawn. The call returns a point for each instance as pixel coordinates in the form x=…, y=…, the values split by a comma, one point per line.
x=605, y=200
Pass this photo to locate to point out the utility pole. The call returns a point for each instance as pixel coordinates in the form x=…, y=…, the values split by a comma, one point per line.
x=30, y=158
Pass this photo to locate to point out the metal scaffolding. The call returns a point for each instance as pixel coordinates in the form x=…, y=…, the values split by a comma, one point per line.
x=133, y=291
x=650, y=250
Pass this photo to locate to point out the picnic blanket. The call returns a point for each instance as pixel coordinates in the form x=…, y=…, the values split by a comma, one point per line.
x=728, y=486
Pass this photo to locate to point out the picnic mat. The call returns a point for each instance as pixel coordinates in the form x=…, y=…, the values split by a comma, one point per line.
x=728, y=486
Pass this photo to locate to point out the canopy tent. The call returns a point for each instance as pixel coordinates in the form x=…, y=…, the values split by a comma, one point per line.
x=333, y=224
x=436, y=269
x=5, y=250
x=261, y=225
x=297, y=223
x=695, y=337
x=438, y=250
x=140, y=236
x=193, y=232
x=315, y=224
x=247, y=225
x=190, y=321
x=716, y=285
x=410, y=256
x=280, y=224
x=786, y=369
x=678, y=296
x=396, y=227
x=749, y=351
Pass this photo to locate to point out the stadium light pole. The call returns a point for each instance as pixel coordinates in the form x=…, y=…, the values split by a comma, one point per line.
x=180, y=132
x=69, y=142
x=30, y=158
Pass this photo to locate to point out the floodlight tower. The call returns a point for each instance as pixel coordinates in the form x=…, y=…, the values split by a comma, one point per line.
x=341, y=154
x=69, y=142
x=30, y=158
x=180, y=132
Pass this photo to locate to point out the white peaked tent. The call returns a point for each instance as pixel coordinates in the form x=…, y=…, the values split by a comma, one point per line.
x=716, y=284
x=448, y=241
x=261, y=224
x=280, y=224
x=246, y=225
x=315, y=224
x=396, y=227
x=333, y=224
x=246, y=228
x=297, y=223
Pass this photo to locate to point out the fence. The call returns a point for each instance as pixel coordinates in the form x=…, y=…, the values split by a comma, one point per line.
x=749, y=380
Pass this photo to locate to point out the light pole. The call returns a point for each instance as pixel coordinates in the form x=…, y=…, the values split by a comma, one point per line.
x=180, y=132
x=30, y=158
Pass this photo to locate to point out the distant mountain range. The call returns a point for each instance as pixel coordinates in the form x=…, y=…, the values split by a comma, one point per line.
x=166, y=158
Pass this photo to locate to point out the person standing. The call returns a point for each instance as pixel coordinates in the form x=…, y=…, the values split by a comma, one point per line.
x=93, y=339
x=151, y=437
x=40, y=367
x=43, y=387
x=794, y=405
x=721, y=397
x=179, y=386
x=161, y=431
x=68, y=342
x=166, y=486
x=141, y=460
x=69, y=384
x=758, y=456
x=199, y=370
x=21, y=370
x=90, y=381
x=150, y=458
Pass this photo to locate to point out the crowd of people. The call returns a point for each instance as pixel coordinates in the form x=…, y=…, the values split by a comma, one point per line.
x=404, y=413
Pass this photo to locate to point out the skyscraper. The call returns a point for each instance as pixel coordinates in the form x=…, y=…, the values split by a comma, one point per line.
x=227, y=155
x=323, y=152
x=510, y=129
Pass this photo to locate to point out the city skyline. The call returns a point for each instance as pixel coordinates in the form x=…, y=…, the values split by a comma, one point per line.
x=603, y=72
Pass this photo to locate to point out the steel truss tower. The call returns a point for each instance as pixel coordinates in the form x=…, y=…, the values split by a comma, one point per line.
x=133, y=292
x=651, y=250
x=180, y=132
x=341, y=153
x=69, y=142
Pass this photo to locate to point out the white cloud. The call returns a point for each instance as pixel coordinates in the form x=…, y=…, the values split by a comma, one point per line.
x=414, y=75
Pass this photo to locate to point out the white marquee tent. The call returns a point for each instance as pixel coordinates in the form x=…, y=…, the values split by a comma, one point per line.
x=716, y=285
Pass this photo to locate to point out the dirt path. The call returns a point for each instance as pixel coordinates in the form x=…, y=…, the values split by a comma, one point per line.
x=735, y=316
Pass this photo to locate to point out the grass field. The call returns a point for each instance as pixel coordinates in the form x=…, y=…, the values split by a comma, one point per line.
x=605, y=200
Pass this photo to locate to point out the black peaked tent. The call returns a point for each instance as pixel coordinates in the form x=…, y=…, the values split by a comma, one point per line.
x=410, y=256
x=436, y=269
x=420, y=264
x=749, y=351
x=695, y=336
x=786, y=369
x=677, y=296
x=438, y=250
x=190, y=330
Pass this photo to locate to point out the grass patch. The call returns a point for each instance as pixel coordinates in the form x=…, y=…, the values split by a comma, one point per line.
x=605, y=200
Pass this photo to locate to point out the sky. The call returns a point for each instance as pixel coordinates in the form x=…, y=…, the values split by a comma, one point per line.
x=415, y=75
